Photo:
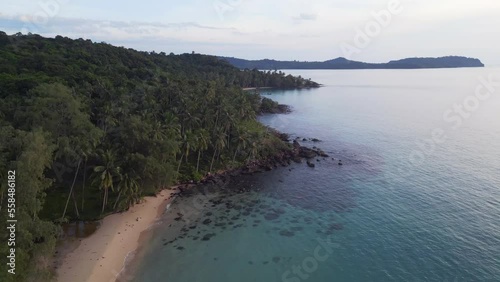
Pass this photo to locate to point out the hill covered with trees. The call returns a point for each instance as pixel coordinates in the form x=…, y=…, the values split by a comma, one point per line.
x=343, y=63
x=90, y=128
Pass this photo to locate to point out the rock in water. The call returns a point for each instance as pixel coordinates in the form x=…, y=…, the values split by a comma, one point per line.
x=307, y=153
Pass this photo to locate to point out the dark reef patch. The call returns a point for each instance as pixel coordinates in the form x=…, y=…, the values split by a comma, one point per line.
x=271, y=216
x=207, y=237
x=287, y=233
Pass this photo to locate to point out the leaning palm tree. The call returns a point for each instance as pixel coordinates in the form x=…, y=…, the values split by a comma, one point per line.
x=219, y=145
x=184, y=148
x=201, y=145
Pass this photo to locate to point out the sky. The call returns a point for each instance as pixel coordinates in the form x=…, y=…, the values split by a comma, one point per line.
x=315, y=30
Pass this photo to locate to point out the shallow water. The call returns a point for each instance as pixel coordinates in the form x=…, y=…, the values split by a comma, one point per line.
x=395, y=211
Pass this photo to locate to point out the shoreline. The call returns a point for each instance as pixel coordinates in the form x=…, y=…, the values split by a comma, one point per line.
x=255, y=88
x=279, y=88
x=103, y=255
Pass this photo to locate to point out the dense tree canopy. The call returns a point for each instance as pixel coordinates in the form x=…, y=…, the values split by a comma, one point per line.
x=91, y=128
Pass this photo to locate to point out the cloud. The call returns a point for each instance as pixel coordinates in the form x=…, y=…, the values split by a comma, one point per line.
x=78, y=27
x=306, y=17
x=296, y=29
x=147, y=36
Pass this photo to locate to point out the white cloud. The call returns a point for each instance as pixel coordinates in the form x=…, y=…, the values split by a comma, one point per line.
x=282, y=29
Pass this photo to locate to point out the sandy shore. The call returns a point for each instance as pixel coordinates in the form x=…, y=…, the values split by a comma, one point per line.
x=101, y=257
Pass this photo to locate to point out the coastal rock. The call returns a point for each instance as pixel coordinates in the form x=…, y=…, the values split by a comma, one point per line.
x=307, y=153
x=207, y=237
x=296, y=144
x=283, y=136
x=323, y=154
x=282, y=157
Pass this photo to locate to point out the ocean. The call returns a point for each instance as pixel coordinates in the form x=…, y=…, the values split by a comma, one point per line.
x=416, y=199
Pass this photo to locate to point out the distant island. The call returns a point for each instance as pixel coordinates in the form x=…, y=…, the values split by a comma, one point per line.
x=343, y=63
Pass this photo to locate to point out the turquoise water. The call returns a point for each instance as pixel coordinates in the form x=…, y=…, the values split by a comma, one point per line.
x=395, y=211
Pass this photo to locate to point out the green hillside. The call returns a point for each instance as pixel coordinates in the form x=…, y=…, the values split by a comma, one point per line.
x=90, y=128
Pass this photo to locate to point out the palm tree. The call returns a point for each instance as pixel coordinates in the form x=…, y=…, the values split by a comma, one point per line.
x=107, y=119
x=158, y=131
x=171, y=125
x=254, y=150
x=201, y=145
x=243, y=140
x=183, y=142
x=220, y=144
x=105, y=175
x=129, y=186
x=190, y=143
